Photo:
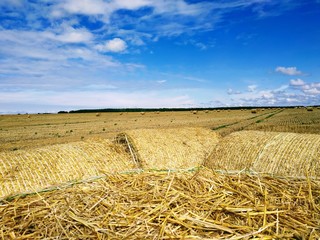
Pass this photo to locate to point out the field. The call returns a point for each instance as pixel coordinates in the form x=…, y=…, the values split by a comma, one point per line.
x=218, y=174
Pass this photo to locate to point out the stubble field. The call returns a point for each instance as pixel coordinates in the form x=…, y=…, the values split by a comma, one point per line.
x=218, y=174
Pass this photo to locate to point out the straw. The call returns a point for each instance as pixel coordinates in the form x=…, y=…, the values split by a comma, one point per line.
x=169, y=205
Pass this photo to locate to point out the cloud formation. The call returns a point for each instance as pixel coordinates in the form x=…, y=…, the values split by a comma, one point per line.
x=113, y=45
x=232, y=92
x=291, y=71
x=297, y=82
x=49, y=49
x=252, y=88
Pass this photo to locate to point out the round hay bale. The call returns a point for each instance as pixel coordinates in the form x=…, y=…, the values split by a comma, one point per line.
x=254, y=111
x=171, y=148
x=98, y=114
x=286, y=154
x=36, y=169
x=194, y=112
x=309, y=109
x=142, y=113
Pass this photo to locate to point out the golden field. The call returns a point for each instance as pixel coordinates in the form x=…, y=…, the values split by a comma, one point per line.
x=227, y=174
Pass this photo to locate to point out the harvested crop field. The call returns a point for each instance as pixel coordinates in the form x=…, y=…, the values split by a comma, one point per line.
x=283, y=154
x=169, y=205
x=173, y=148
x=141, y=176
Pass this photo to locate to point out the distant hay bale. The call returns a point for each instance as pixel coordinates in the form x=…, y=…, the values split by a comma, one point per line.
x=142, y=113
x=310, y=109
x=34, y=169
x=28, y=116
x=254, y=111
x=206, y=111
x=98, y=114
x=288, y=154
x=194, y=112
x=170, y=148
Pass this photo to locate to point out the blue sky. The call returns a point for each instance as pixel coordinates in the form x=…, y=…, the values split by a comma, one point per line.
x=71, y=54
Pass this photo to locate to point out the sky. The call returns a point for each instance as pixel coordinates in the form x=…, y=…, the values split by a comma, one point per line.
x=85, y=54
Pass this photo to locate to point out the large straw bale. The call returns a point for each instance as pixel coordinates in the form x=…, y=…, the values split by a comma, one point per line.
x=288, y=154
x=171, y=148
x=33, y=169
x=169, y=205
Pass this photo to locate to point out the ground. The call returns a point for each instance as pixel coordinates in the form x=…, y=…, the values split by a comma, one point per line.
x=35, y=130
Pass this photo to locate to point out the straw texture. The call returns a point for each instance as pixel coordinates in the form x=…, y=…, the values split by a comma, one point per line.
x=170, y=148
x=169, y=205
x=287, y=154
x=34, y=169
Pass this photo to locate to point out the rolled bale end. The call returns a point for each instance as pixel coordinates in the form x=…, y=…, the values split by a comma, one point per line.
x=69, y=162
x=176, y=148
x=194, y=112
x=98, y=114
x=142, y=113
x=282, y=154
x=254, y=111
x=309, y=109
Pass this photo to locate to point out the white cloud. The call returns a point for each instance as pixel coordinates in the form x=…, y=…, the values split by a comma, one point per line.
x=297, y=82
x=161, y=81
x=308, y=89
x=87, y=7
x=232, y=92
x=281, y=96
x=114, y=45
x=131, y=4
x=72, y=35
x=252, y=88
x=91, y=99
x=312, y=91
x=288, y=71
